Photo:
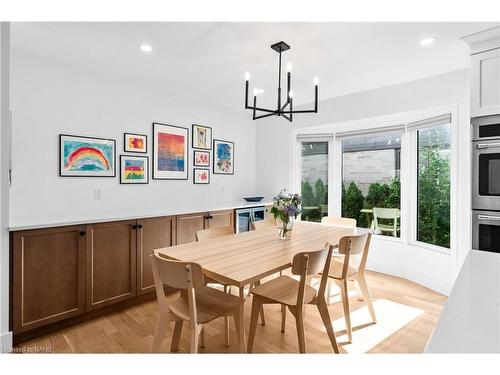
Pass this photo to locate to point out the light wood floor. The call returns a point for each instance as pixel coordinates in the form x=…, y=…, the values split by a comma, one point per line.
x=406, y=312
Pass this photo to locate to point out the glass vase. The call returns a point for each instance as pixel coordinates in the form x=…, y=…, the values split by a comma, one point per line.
x=285, y=228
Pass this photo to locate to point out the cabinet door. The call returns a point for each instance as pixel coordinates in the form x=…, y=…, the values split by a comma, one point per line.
x=485, y=85
x=188, y=225
x=223, y=218
x=153, y=233
x=48, y=276
x=111, y=263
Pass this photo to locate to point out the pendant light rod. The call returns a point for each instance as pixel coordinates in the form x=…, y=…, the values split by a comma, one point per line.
x=285, y=110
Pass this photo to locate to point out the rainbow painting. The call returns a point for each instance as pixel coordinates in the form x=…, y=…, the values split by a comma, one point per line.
x=133, y=169
x=170, y=149
x=86, y=157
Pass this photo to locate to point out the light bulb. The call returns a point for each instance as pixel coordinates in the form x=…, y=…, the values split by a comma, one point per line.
x=247, y=76
x=146, y=48
x=427, y=41
x=255, y=92
x=290, y=94
x=289, y=67
x=316, y=81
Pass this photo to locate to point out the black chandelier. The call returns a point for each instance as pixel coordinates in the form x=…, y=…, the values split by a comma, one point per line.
x=285, y=110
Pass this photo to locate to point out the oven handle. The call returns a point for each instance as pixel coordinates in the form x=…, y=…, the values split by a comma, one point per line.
x=488, y=217
x=488, y=145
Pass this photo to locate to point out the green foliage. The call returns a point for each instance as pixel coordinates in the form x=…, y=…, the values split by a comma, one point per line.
x=314, y=198
x=352, y=203
x=307, y=194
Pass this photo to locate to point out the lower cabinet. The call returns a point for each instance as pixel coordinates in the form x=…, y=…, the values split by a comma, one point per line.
x=188, y=225
x=221, y=219
x=111, y=263
x=48, y=276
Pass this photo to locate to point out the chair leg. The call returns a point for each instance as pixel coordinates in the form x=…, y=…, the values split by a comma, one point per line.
x=262, y=317
x=176, y=338
x=202, y=338
x=226, y=319
x=359, y=292
x=329, y=291
x=345, y=302
x=325, y=317
x=366, y=295
x=236, y=319
x=301, y=334
x=283, y=318
x=195, y=334
x=160, y=333
x=256, y=304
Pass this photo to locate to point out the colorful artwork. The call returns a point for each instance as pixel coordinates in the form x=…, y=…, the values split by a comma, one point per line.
x=134, y=169
x=223, y=157
x=135, y=143
x=86, y=156
x=201, y=176
x=170, y=152
x=202, y=137
x=201, y=158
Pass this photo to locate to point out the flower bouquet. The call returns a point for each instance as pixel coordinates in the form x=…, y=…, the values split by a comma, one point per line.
x=286, y=208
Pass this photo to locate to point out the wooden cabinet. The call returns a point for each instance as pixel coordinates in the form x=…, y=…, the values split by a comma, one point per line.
x=48, y=276
x=485, y=84
x=111, y=263
x=223, y=218
x=188, y=225
x=152, y=234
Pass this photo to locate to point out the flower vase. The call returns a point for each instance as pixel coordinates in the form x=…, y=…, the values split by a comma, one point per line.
x=285, y=228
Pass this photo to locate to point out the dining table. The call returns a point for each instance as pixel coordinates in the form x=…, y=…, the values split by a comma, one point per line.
x=246, y=258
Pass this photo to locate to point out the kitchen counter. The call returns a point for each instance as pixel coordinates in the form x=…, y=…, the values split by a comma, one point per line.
x=470, y=322
x=47, y=221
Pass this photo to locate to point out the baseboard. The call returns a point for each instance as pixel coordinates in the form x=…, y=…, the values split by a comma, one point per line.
x=6, y=342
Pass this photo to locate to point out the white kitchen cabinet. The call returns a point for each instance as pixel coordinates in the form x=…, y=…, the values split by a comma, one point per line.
x=485, y=84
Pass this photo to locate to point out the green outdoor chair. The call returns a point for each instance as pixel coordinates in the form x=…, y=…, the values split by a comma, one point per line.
x=386, y=214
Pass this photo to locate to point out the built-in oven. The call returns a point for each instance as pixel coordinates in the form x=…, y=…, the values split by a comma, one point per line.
x=246, y=216
x=486, y=231
x=486, y=163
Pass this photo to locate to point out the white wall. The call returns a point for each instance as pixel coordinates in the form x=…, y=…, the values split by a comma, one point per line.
x=5, y=335
x=273, y=169
x=48, y=99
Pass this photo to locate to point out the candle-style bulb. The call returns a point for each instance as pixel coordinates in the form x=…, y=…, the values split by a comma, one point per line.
x=289, y=67
x=316, y=81
x=255, y=92
x=247, y=76
x=290, y=94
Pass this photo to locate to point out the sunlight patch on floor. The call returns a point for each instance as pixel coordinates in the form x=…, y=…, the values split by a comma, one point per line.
x=391, y=317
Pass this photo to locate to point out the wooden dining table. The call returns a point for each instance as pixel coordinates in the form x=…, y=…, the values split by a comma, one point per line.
x=245, y=258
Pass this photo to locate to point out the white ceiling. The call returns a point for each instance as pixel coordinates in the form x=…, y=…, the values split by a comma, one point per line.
x=207, y=61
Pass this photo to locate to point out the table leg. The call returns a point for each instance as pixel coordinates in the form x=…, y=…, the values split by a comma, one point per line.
x=241, y=336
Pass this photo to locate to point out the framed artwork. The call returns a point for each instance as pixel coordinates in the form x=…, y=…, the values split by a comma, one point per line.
x=202, y=137
x=223, y=157
x=201, y=159
x=201, y=176
x=134, y=169
x=135, y=143
x=170, y=152
x=86, y=156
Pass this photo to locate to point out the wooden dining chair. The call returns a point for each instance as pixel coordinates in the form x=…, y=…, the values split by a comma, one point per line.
x=294, y=295
x=339, y=221
x=197, y=303
x=269, y=221
x=348, y=264
x=387, y=214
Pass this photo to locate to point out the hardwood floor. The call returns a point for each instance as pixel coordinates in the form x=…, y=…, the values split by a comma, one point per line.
x=406, y=312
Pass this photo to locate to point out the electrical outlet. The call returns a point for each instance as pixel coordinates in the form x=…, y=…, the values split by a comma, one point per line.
x=97, y=194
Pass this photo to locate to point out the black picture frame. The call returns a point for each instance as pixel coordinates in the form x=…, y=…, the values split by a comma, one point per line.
x=155, y=156
x=201, y=165
x=135, y=152
x=192, y=137
x=146, y=170
x=201, y=169
x=86, y=137
x=214, y=156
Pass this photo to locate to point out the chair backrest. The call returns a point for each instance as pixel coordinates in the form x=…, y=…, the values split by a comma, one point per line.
x=267, y=222
x=339, y=221
x=355, y=250
x=204, y=234
x=386, y=213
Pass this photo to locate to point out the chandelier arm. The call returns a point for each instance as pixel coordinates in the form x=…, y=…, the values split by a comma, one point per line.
x=284, y=106
x=246, y=94
x=266, y=115
x=291, y=109
x=263, y=109
x=286, y=117
x=279, y=84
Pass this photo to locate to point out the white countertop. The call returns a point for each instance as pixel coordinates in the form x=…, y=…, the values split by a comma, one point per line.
x=47, y=221
x=470, y=322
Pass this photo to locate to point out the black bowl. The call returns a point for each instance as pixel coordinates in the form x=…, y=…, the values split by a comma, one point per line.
x=253, y=199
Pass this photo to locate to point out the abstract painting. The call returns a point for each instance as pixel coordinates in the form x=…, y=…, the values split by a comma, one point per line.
x=135, y=143
x=86, y=156
x=170, y=152
x=134, y=169
x=201, y=159
x=202, y=137
x=223, y=157
x=201, y=176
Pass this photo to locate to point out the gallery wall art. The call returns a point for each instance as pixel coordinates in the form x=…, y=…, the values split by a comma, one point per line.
x=170, y=152
x=201, y=176
x=135, y=143
x=81, y=156
x=134, y=169
x=202, y=137
x=201, y=158
x=223, y=157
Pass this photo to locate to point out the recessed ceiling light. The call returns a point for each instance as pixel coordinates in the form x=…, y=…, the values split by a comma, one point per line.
x=146, y=48
x=427, y=41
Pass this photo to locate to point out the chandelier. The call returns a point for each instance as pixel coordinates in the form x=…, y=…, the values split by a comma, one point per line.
x=285, y=110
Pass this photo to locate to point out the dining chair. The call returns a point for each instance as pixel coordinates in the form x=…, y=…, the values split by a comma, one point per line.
x=386, y=214
x=198, y=304
x=267, y=222
x=295, y=294
x=339, y=221
x=349, y=264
